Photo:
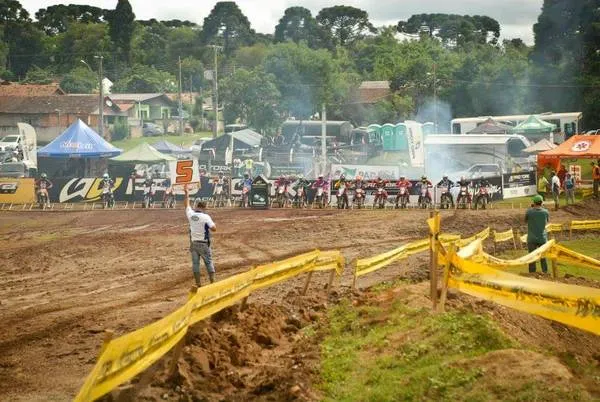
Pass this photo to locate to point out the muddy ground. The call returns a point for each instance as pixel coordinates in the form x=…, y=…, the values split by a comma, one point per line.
x=65, y=277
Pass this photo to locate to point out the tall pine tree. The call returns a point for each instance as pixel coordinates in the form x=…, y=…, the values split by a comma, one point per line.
x=121, y=24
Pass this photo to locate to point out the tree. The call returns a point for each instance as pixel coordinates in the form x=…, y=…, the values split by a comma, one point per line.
x=121, y=25
x=13, y=11
x=149, y=44
x=453, y=29
x=250, y=57
x=298, y=24
x=145, y=79
x=193, y=69
x=80, y=80
x=251, y=95
x=228, y=26
x=80, y=42
x=56, y=19
x=346, y=24
x=26, y=47
x=37, y=75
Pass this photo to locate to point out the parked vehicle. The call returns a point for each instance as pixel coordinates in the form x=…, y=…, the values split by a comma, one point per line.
x=17, y=170
x=10, y=142
x=152, y=130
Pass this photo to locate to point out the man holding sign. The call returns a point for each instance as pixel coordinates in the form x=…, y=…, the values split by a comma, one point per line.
x=201, y=225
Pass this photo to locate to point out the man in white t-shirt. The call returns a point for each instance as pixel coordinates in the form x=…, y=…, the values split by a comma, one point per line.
x=555, y=185
x=200, y=227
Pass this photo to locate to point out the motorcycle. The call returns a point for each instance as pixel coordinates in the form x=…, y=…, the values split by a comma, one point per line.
x=169, y=200
x=320, y=197
x=402, y=197
x=148, y=200
x=445, y=198
x=108, y=198
x=300, y=199
x=245, y=197
x=359, y=198
x=42, y=197
x=463, y=197
x=380, y=198
x=424, y=198
x=281, y=196
x=342, y=197
x=482, y=198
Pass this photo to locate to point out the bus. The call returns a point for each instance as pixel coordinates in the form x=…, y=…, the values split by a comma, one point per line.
x=566, y=123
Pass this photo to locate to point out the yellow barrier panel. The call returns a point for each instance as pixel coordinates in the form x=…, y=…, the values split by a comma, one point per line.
x=563, y=254
x=219, y=295
x=367, y=265
x=526, y=259
x=523, y=238
x=579, y=225
x=279, y=271
x=503, y=236
x=576, y=306
x=554, y=227
x=484, y=234
x=329, y=261
x=471, y=250
x=125, y=357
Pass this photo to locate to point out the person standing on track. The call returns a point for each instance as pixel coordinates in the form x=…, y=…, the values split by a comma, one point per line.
x=596, y=177
x=201, y=224
x=537, y=218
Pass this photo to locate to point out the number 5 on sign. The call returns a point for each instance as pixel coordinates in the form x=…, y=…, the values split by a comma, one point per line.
x=184, y=172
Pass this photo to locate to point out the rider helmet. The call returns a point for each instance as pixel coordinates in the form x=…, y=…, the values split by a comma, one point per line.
x=320, y=176
x=246, y=175
x=43, y=175
x=220, y=173
x=402, y=177
x=445, y=177
x=423, y=178
x=462, y=178
x=105, y=176
x=342, y=177
x=358, y=178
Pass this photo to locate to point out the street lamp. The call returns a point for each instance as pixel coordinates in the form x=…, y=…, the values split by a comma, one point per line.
x=101, y=95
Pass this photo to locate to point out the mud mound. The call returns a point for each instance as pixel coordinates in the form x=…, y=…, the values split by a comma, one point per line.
x=260, y=353
x=588, y=209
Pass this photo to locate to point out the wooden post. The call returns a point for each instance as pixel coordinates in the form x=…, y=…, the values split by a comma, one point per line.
x=308, y=278
x=178, y=349
x=554, y=268
x=433, y=262
x=570, y=230
x=444, y=295
x=330, y=282
x=354, y=279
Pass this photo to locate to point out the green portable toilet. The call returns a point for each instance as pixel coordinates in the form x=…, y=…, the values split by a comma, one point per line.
x=401, y=137
x=388, y=135
x=375, y=127
x=428, y=128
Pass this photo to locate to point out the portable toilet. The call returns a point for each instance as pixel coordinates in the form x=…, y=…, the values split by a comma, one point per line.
x=375, y=127
x=401, y=137
x=428, y=128
x=388, y=136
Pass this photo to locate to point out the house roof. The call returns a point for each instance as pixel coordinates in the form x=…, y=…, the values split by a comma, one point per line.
x=12, y=89
x=135, y=98
x=373, y=91
x=84, y=104
x=491, y=126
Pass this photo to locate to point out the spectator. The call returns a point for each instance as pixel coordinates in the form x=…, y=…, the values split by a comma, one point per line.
x=543, y=186
x=569, y=184
x=596, y=177
x=562, y=174
x=537, y=218
x=555, y=184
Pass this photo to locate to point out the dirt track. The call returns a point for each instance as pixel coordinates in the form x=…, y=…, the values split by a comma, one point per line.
x=67, y=276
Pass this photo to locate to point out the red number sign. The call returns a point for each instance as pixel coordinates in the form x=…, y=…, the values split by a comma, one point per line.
x=185, y=172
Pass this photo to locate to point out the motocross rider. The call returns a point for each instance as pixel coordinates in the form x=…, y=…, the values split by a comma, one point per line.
x=402, y=182
x=346, y=183
x=302, y=183
x=463, y=182
x=168, y=189
x=426, y=183
x=42, y=185
x=447, y=183
x=282, y=181
x=321, y=183
x=483, y=182
x=149, y=184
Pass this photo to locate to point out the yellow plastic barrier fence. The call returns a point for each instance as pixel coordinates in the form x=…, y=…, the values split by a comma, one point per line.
x=563, y=254
x=576, y=306
x=367, y=265
x=498, y=263
x=125, y=357
x=583, y=225
x=554, y=227
x=500, y=237
x=484, y=234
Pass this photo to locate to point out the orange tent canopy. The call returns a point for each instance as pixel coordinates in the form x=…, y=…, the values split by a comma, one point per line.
x=576, y=147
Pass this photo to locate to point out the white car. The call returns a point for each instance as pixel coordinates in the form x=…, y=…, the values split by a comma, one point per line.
x=10, y=142
x=479, y=170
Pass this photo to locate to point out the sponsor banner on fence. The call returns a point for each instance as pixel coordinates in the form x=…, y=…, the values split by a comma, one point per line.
x=519, y=185
x=17, y=191
x=504, y=236
x=367, y=172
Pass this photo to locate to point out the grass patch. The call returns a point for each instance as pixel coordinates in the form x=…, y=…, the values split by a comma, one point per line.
x=398, y=353
x=587, y=247
x=182, y=140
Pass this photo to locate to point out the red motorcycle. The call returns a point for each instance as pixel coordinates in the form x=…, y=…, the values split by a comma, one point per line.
x=482, y=198
x=359, y=198
x=380, y=198
x=402, y=197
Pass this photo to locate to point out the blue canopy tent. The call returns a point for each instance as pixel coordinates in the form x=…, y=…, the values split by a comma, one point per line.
x=79, y=141
x=77, y=152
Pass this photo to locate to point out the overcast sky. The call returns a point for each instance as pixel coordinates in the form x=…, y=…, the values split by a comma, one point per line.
x=516, y=17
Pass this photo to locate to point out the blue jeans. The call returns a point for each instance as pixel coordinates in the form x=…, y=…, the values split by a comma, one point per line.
x=201, y=250
x=530, y=248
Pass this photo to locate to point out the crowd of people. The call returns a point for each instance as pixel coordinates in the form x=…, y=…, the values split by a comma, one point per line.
x=554, y=184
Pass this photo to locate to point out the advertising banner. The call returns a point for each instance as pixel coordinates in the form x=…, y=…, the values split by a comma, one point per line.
x=519, y=185
x=17, y=191
x=367, y=172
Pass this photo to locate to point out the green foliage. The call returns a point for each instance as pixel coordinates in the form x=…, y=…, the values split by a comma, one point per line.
x=121, y=25
x=80, y=42
x=37, y=75
x=144, y=79
x=120, y=130
x=80, y=80
x=57, y=18
x=226, y=25
x=298, y=25
x=252, y=97
x=251, y=56
x=345, y=24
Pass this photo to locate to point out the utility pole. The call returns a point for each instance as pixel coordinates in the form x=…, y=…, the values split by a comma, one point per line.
x=323, y=138
x=435, y=105
x=101, y=100
x=191, y=97
x=180, y=101
x=216, y=91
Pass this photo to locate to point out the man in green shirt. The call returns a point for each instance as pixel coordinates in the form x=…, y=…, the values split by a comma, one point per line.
x=537, y=218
